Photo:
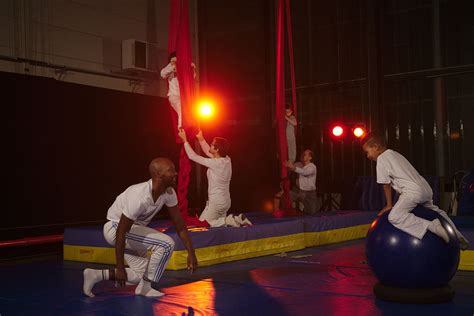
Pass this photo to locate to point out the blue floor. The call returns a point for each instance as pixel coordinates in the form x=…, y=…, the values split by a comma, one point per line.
x=329, y=280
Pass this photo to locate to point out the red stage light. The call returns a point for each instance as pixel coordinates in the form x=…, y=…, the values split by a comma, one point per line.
x=337, y=131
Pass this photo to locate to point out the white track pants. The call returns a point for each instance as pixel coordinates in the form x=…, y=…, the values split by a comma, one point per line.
x=215, y=214
x=402, y=217
x=138, y=242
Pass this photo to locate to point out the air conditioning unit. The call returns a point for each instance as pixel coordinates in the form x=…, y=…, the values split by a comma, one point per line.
x=139, y=56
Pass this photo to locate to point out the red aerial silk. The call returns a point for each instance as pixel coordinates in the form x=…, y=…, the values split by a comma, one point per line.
x=179, y=42
x=290, y=54
x=280, y=96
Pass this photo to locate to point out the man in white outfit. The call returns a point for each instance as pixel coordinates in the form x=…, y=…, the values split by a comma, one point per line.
x=395, y=171
x=219, y=174
x=127, y=231
x=305, y=192
x=174, y=97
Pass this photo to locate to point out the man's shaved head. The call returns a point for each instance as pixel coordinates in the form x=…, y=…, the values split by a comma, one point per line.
x=159, y=166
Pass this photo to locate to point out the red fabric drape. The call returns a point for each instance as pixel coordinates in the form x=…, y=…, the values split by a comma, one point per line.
x=280, y=107
x=179, y=42
x=290, y=55
x=280, y=94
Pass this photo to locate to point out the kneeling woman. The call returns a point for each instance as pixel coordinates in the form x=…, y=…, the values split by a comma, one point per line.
x=219, y=173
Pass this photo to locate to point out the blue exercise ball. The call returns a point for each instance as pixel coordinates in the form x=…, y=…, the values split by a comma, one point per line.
x=400, y=260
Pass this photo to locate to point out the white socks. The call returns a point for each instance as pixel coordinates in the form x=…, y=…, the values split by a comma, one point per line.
x=91, y=277
x=243, y=220
x=237, y=221
x=231, y=220
x=436, y=228
x=144, y=288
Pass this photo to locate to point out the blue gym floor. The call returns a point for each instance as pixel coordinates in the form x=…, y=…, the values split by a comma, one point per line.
x=329, y=280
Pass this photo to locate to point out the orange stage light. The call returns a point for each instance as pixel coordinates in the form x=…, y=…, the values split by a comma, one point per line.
x=359, y=132
x=268, y=206
x=206, y=109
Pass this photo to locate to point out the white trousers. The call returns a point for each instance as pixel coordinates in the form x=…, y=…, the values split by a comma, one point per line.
x=291, y=140
x=215, y=213
x=402, y=217
x=138, y=242
x=175, y=102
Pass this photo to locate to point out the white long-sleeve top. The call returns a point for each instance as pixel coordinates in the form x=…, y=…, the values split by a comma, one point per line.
x=169, y=72
x=396, y=170
x=307, y=177
x=219, y=172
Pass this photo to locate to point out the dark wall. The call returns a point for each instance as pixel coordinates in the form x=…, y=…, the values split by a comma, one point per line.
x=358, y=61
x=71, y=149
x=407, y=30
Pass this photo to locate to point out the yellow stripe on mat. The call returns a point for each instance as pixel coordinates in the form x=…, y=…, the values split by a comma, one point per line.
x=467, y=260
x=89, y=254
x=246, y=249
x=335, y=235
x=239, y=250
x=206, y=256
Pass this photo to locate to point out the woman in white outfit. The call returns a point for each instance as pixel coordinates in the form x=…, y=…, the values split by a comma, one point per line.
x=219, y=173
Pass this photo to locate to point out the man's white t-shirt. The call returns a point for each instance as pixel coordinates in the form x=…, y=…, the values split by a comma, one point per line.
x=396, y=170
x=136, y=203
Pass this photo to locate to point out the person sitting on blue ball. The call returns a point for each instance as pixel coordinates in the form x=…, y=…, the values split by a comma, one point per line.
x=395, y=171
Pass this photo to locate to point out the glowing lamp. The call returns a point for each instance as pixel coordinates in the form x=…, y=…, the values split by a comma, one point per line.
x=359, y=132
x=205, y=110
x=337, y=131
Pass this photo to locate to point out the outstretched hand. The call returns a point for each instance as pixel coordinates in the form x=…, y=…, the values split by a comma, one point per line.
x=199, y=136
x=290, y=165
x=182, y=134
